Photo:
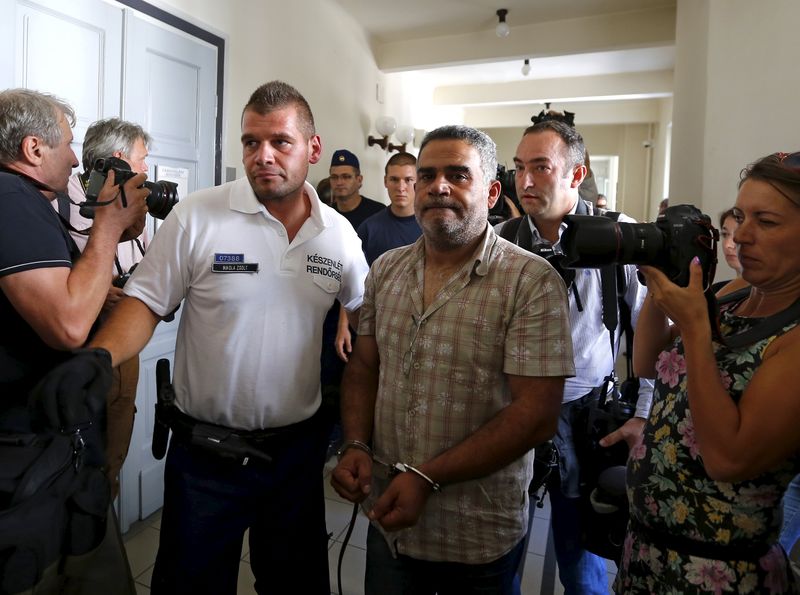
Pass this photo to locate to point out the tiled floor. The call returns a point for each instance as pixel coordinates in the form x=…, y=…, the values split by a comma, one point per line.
x=141, y=543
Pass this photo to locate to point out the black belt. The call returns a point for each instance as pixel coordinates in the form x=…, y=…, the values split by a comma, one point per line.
x=242, y=446
x=750, y=551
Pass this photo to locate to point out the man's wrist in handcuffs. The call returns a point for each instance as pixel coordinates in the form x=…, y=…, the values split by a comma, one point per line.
x=398, y=467
x=357, y=444
x=434, y=486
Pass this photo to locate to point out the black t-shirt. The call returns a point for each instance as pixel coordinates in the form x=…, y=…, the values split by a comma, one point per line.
x=365, y=208
x=31, y=237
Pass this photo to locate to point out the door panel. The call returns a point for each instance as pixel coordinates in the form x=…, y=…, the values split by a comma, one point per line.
x=71, y=51
x=174, y=97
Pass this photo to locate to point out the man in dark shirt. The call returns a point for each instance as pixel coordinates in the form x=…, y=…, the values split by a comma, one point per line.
x=346, y=179
x=395, y=225
x=48, y=301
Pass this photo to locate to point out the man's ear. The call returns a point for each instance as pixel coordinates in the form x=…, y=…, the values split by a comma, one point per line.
x=495, y=189
x=578, y=175
x=32, y=150
x=315, y=146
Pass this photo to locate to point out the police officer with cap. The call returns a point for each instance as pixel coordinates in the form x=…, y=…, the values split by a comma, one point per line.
x=346, y=179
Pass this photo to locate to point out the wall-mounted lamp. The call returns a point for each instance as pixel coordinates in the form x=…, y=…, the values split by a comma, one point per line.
x=405, y=134
x=526, y=67
x=502, y=29
x=385, y=125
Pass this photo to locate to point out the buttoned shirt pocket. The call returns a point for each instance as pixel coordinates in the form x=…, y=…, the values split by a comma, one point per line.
x=328, y=284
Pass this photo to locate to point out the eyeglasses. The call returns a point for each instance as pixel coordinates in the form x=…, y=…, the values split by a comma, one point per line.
x=791, y=160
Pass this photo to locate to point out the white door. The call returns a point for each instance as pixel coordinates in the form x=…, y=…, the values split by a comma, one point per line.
x=70, y=50
x=106, y=60
x=170, y=83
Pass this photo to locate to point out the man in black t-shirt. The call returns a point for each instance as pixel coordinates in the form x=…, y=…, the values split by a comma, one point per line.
x=48, y=300
x=395, y=225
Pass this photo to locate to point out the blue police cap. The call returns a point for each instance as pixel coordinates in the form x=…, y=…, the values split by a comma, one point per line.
x=345, y=157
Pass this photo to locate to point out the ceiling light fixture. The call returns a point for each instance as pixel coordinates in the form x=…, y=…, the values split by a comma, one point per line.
x=526, y=67
x=502, y=29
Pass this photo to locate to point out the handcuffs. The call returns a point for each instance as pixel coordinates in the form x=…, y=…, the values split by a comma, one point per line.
x=394, y=468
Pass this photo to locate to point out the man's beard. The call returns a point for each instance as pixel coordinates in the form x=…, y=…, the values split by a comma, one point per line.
x=445, y=233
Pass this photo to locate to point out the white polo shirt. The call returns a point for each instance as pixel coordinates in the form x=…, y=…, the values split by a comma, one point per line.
x=248, y=347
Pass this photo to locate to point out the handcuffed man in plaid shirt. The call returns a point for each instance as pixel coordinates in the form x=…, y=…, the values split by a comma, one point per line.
x=457, y=374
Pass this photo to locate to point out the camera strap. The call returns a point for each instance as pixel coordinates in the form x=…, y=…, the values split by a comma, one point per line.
x=616, y=311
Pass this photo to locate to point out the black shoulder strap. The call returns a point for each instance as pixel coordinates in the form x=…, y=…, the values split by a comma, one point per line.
x=768, y=327
x=615, y=309
x=582, y=208
x=733, y=296
x=63, y=205
x=510, y=228
x=609, y=281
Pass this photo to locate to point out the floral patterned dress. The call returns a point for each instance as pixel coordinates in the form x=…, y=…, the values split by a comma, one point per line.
x=671, y=495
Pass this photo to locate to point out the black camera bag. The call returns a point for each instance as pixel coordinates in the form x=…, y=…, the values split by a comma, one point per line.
x=603, y=508
x=52, y=507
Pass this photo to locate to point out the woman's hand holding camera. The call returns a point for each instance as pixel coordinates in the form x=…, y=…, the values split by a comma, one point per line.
x=686, y=306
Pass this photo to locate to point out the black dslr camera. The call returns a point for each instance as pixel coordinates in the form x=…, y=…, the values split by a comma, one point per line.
x=668, y=244
x=163, y=195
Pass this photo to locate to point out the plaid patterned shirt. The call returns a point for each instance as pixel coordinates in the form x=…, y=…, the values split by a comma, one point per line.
x=442, y=376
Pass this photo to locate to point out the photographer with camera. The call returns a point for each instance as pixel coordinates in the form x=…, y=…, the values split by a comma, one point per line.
x=721, y=443
x=549, y=171
x=51, y=297
x=127, y=141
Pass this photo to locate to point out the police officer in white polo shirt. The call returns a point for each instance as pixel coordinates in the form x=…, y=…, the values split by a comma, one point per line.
x=257, y=262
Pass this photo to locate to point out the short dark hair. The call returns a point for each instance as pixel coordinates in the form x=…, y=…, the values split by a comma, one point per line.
x=399, y=159
x=276, y=95
x=576, y=150
x=779, y=170
x=483, y=143
x=24, y=112
x=105, y=137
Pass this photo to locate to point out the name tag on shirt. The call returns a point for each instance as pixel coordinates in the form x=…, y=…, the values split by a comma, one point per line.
x=232, y=263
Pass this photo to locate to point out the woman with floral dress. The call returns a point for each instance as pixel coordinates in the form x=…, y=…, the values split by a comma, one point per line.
x=722, y=441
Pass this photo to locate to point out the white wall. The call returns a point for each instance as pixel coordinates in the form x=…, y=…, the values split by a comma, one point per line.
x=740, y=103
x=314, y=46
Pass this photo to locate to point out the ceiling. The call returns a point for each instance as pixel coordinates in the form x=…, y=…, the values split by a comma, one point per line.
x=551, y=67
x=396, y=20
x=426, y=32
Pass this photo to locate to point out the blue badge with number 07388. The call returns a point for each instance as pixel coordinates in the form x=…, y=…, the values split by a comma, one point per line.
x=232, y=263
